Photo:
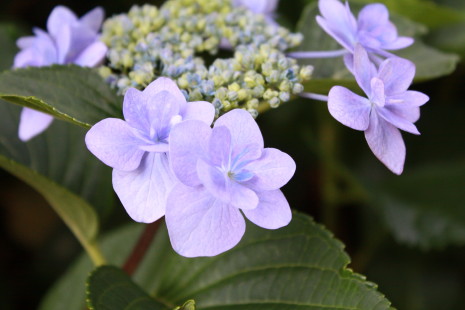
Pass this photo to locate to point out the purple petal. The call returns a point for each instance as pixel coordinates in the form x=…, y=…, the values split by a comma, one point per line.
x=397, y=75
x=188, y=143
x=93, y=19
x=272, y=170
x=222, y=187
x=399, y=43
x=134, y=111
x=60, y=17
x=161, y=109
x=407, y=104
x=272, y=212
x=364, y=70
x=32, y=123
x=93, y=55
x=165, y=84
x=42, y=52
x=386, y=142
x=348, y=108
x=114, y=143
x=200, y=225
x=349, y=62
x=243, y=128
x=25, y=42
x=338, y=22
x=220, y=146
x=199, y=110
x=63, y=42
x=377, y=92
x=398, y=121
x=372, y=16
x=258, y=6
x=72, y=40
x=143, y=192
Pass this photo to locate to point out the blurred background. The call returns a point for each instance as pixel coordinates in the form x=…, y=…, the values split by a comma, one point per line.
x=413, y=224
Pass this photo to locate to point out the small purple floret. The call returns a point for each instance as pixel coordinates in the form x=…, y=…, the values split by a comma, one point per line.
x=372, y=29
x=224, y=171
x=69, y=40
x=389, y=106
x=137, y=147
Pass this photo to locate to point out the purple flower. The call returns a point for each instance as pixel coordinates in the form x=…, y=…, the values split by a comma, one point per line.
x=69, y=40
x=223, y=171
x=372, y=29
x=389, y=106
x=137, y=148
x=265, y=7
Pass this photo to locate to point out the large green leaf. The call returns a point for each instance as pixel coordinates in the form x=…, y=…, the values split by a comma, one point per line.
x=58, y=165
x=75, y=94
x=300, y=266
x=8, y=33
x=425, y=207
x=109, y=288
x=430, y=63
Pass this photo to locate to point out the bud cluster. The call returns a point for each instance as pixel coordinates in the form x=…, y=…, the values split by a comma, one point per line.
x=179, y=38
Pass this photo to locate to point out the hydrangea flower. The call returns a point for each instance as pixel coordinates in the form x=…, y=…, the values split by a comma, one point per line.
x=265, y=7
x=137, y=147
x=389, y=107
x=69, y=41
x=222, y=172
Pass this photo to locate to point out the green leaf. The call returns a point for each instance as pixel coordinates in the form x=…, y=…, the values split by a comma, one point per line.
x=8, y=35
x=300, y=266
x=450, y=38
x=109, y=288
x=425, y=208
x=58, y=165
x=431, y=63
x=75, y=94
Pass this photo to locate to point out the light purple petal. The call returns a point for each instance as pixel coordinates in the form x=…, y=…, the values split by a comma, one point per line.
x=25, y=42
x=398, y=121
x=63, y=42
x=372, y=16
x=32, y=123
x=161, y=110
x=199, y=110
x=134, y=111
x=272, y=170
x=272, y=212
x=222, y=187
x=188, y=143
x=364, y=70
x=386, y=142
x=349, y=62
x=200, y=225
x=258, y=6
x=60, y=17
x=348, y=108
x=407, y=104
x=165, y=84
x=397, y=75
x=143, y=192
x=93, y=19
x=377, y=92
x=93, y=55
x=219, y=146
x=399, y=43
x=42, y=52
x=114, y=143
x=72, y=40
x=243, y=128
x=338, y=22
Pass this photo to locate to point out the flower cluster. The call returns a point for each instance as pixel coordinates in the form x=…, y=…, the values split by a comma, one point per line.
x=168, y=161
x=149, y=42
x=69, y=41
x=389, y=106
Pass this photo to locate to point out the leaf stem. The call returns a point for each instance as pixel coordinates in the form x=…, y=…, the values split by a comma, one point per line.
x=94, y=252
x=141, y=247
x=318, y=54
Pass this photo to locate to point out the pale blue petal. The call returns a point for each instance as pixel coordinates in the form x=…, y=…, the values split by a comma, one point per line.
x=143, y=192
x=32, y=123
x=93, y=19
x=200, y=225
x=271, y=171
x=93, y=55
x=243, y=128
x=386, y=142
x=272, y=212
x=165, y=84
x=134, y=109
x=397, y=75
x=407, y=104
x=377, y=92
x=398, y=121
x=188, y=143
x=59, y=17
x=199, y=110
x=399, y=43
x=364, y=70
x=220, y=146
x=114, y=143
x=372, y=16
x=348, y=108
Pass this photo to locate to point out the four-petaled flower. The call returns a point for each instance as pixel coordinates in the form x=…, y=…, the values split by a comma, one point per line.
x=223, y=171
x=69, y=41
x=137, y=148
x=373, y=29
x=389, y=106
